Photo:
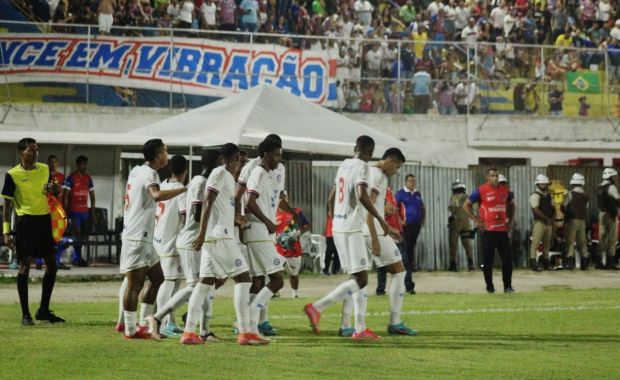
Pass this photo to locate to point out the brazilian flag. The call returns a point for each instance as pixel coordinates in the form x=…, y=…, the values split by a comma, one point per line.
x=583, y=82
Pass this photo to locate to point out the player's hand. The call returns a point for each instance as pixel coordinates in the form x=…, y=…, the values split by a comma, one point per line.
x=240, y=220
x=394, y=234
x=197, y=244
x=8, y=241
x=271, y=228
x=385, y=227
x=376, y=247
x=480, y=224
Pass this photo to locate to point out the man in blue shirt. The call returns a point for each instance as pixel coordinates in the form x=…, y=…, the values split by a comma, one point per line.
x=249, y=18
x=421, y=91
x=411, y=207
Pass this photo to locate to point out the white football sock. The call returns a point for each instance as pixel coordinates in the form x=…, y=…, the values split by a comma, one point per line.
x=177, y=285
x=146, y=309
x=359, y=304
x=130, y=322
x=347, y=312
x=295, y=294
x=343, y=290
x=241, y=300
x=178, y=299
x=207, y=312
x=264, y=314
x=121, y=296
x=196, y=302
x=396, y=293
x=260, y=302
x=163, y=296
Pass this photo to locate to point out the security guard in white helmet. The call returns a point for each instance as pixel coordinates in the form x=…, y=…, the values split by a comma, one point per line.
x=542, y=230
x=608, y=201
x=575, y=208
x=459, y=226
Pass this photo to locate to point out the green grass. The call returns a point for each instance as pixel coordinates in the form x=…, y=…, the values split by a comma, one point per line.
x=551, y=334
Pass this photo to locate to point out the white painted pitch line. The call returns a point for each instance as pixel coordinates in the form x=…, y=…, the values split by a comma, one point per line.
x=538, y=309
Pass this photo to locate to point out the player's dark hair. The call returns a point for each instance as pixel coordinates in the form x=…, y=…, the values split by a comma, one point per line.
x=22, y=144
x=364, y=143
x=267, y=146
x=229, y=150
x=178, y=164
x=273, y=136
x=410, y=175
x=151, y=149
x=395, y=153
x=81, y=159
x=210, y=160
x=49, y=158
x=243, y=153
x=492, y=170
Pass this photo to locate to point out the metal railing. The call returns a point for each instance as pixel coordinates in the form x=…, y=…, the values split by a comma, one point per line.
x=487, y=78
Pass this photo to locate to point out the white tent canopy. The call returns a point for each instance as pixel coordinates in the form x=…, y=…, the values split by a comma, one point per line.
x=246, y=118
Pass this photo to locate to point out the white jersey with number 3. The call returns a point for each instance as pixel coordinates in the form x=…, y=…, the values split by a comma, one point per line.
x=195, y=195
x=348, y=211
x=221, y=223
x=139, y=214
x=168, y=221
x=377, y=183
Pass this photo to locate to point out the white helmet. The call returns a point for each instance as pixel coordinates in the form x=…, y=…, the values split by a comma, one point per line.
x=609, y=172
x=502, y=179
x=578, y=179
x=458, y=184
x=541, y=179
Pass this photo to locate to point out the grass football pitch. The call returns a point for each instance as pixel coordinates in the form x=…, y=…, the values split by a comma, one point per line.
x=556, y=333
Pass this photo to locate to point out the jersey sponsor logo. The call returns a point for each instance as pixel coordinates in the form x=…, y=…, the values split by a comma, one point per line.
x=276, y=261
x=194, y=66
x=363, y=261
x=238, y=262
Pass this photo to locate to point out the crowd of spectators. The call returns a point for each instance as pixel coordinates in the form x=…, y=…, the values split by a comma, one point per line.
x=451, y=41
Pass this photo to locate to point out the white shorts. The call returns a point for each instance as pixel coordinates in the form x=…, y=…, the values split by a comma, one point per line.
x=389, y=251
x=105, y=23
x=171, y=266
x=264, y=259
x=136, y=255
x=190, y=263
x=351, y=248
x=293, y=265
x=222, y=259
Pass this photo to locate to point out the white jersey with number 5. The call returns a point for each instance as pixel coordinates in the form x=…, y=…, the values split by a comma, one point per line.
x=195, y=195
x=139, y=215
x=168, y=221
x=221, y=223
x=348, y=211
x=377, y=183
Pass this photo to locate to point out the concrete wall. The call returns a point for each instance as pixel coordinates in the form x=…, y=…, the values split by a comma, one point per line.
x=447, y=141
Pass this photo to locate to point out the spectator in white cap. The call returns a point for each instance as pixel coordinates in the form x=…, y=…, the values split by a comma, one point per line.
x=615, y=31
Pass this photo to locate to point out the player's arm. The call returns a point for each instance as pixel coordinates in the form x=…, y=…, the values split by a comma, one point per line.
x=6, y=223
x=159, y=195
x=364, y=199
x=468, y=207
x=65, y=197
x=239, y=191
x=204, y=219
x=304, y=223
x=331, y=201
x=510, y=212
x=370, y=222
x=92, y=202
x=254, y=209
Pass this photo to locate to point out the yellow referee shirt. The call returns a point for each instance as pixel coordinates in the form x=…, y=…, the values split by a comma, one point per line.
x=27, y=189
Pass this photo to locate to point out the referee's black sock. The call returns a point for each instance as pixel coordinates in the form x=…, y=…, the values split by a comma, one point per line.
x=22, y=290
x=46, y=293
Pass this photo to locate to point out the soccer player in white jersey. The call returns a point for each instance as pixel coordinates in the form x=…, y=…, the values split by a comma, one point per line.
x=383, y=248
x=220, y=256
x=264, y=260
x=189, y=257
x=138, y=260
x=169, y=219
x=348, y=200
x=277, y=176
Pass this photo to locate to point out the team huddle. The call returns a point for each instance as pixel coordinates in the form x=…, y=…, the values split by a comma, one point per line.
x=222, y=226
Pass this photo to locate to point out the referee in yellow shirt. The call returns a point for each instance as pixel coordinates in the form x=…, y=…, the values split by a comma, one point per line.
x=25, y=188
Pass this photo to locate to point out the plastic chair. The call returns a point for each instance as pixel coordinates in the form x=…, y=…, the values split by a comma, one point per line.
x=318, y=251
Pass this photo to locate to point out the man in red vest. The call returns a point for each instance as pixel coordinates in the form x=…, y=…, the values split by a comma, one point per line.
x=494, y=220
